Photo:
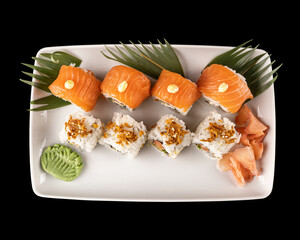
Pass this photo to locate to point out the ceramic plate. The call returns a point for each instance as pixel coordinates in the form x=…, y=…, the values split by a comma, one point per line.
x=151, y=176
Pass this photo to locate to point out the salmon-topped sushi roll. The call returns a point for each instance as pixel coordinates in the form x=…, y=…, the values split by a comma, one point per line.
x=78, y=86
x=175, y=91
x=126, y=86
x=223, y=87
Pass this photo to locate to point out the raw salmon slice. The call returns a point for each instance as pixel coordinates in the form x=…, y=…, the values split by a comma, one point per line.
x=222, y=87
x=175, y=91
x=77, y=86
x=126, y=86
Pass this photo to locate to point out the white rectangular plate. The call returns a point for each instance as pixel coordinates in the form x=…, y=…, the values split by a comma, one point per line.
x=151, y=176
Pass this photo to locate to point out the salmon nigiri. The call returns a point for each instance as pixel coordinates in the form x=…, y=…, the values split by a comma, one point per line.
x=126, y=86
x=175, y=91
x=223, y=87
x=77, y=86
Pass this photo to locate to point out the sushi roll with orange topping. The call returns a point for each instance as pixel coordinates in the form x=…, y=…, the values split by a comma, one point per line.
x=124, y=135
x=216, y=135
x=170, y=135
x=78, y=86
x=175, y=91
x=223, y=87
x=82, y=131
x=126, y=86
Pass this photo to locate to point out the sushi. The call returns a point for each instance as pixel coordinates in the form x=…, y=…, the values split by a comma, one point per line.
x=78, y=86
x=124, y=135
x=175, y=91
x=223, y=87
x=170, y=135
x=82, y=131
x=215, y=135
x=126, y=86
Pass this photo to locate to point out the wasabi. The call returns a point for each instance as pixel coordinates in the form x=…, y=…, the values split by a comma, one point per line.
x=61, y=162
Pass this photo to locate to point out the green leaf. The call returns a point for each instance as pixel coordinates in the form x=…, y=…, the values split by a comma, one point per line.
x=149, y=60
x=48, y=69
x=142, y=63
x=252, y=68
x=62, y=58
x=263, y=87
x=261, y=80
x=251, y=64
x=41, y=78
x=49, y=64
x=41, y=86
x=228, y=57
x=49, y=102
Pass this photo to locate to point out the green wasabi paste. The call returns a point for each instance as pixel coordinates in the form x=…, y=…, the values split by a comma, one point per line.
x=61, y=162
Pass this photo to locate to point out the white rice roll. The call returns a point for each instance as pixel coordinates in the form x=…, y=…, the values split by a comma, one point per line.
x=125, y=135
x=170, y=135
x=216, y=135
x=82, y=131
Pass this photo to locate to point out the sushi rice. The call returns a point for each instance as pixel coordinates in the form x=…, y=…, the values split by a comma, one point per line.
x=82, y=131
x=176, y=109
x=213, y=144
x=163, y=141
x=125, y=135
x=116, y=101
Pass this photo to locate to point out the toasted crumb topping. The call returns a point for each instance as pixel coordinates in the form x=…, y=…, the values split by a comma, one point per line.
x=110, y=125
x=123, y=132
x=75, y=127
x=217, y=130
x=174, y=132
x=141, y=133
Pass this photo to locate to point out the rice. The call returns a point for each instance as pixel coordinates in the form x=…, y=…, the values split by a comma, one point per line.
x=215, y=135
x=176, y=109
x=82, y=131
x=214, y=103
x=116, y=101
x=170, y=135
x=125, y=135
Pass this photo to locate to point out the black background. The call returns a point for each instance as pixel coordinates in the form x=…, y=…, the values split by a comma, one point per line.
x=225, y=24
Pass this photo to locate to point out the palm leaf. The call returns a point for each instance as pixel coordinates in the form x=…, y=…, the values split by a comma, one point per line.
x=49, y=102
x=41, y=86
x=241, y=59
x=41, y=78
x=48, y=70
x=149, y=60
